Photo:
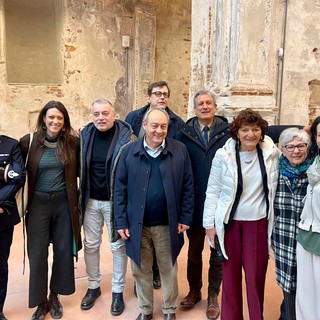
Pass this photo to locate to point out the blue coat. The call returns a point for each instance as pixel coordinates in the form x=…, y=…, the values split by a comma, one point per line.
x=135, y=117
x=10, y=154
x=122, y=136
x=131, y=183
x=201, y=158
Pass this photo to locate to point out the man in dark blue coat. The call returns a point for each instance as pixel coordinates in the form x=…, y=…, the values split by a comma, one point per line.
x=203, y=135
x=158, y=96
x=153, y=206
x=101, y=142
x=12, y=178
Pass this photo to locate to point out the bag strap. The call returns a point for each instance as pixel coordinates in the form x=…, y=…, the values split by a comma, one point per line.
x=23, y=208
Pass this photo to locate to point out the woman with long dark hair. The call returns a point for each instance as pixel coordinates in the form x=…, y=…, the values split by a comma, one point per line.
x=52, y=213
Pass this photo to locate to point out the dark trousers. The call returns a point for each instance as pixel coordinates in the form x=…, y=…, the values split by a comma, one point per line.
x=48, y=220
x=288, y=306
x=196, y=236
x=5, y=244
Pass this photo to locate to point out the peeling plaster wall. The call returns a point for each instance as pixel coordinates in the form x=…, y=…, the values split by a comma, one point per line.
x=235, y=53
x=301, y=60
x=95, y=65
x=173, y=50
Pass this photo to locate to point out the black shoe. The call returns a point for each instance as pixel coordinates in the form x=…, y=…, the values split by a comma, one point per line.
x=156, y=281
x=2, y=317
x=56, y=309
x=117, y=305
x=90, y=298
x=42, y=310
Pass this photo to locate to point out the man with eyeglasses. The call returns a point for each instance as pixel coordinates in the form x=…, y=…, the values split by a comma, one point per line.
x=158, y=96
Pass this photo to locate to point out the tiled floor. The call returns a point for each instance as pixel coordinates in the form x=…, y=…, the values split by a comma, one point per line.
x=16, y=306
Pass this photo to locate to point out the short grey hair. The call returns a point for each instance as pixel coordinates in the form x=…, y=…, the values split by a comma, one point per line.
x=103, y=101
x=146, y=115
x=289, y=134
x=201, y=93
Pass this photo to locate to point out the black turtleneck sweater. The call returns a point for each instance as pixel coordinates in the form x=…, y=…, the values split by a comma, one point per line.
x=99, y=172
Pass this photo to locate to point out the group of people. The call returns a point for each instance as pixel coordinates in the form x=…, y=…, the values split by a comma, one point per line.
x=149, y=179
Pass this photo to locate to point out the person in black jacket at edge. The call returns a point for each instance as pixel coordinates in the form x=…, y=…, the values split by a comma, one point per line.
x=12, y=178
x=203, y=135
x=158, y=96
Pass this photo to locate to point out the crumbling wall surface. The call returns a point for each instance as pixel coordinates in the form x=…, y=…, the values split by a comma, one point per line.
x=93, y=60
x=237, y=52
x=301, y=61
x=173, y=44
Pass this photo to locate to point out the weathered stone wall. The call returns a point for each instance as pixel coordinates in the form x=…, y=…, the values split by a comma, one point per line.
x=94, y=63
x=235, y=53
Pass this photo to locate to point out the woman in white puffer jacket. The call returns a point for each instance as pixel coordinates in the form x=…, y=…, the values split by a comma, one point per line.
x=239, y=211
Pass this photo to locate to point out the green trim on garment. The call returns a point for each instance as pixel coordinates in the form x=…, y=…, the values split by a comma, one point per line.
x=310, y=241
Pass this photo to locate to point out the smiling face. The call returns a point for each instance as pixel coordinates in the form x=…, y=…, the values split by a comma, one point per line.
x=249, y=136
x=103, y=116
x=54, y=121
x=296, y=151
x=156, y=128
x=205, y=109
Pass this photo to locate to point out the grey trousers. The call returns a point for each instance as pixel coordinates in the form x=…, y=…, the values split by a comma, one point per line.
x=157, y=237
x=97, y=213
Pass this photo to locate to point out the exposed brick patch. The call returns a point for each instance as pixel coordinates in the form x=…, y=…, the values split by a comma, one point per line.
x=237, y=91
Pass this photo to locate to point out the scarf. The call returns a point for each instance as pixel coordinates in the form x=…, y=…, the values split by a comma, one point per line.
x=291, y=172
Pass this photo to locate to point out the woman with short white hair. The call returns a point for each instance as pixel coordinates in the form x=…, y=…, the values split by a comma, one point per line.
x=292, y=188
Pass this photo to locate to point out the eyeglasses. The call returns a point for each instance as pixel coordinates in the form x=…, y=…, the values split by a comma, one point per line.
x=159, y=94
x=291, y=147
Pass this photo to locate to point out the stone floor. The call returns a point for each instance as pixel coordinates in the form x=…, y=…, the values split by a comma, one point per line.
x=16, y=306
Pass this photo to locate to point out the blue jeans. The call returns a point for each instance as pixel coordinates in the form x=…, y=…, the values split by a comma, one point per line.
x=97, y=213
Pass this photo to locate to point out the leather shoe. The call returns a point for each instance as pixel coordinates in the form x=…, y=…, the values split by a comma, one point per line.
x=42, y=310
x=90, y=298
x=2, y=316
x=213, y=310
x=191, y=299
x=169, y=316
x=143, y=316
x=156, y=281
x=117, y=305
x=55, y=306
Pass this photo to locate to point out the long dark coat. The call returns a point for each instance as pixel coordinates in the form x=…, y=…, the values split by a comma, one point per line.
x=131, y=184
x=71, y=172
x=201, y=158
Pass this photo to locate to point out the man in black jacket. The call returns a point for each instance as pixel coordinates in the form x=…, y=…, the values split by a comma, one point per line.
x=203, y=135
x=12, y=178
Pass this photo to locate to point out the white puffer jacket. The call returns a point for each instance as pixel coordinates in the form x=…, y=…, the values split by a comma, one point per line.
x=223, y=182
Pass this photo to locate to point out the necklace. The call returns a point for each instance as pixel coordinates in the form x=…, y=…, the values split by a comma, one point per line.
x=247, y=157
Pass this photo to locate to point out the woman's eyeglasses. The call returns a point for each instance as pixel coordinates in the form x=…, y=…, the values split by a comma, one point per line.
x=291, y=147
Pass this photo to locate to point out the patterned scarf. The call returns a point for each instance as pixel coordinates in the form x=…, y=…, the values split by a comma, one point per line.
x=287, y=170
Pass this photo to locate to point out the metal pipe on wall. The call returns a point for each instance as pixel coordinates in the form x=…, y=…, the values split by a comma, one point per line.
x=281, y=56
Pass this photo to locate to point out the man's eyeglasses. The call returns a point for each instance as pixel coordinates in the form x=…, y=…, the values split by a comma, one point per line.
x=291, y=147
x=159, y=94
